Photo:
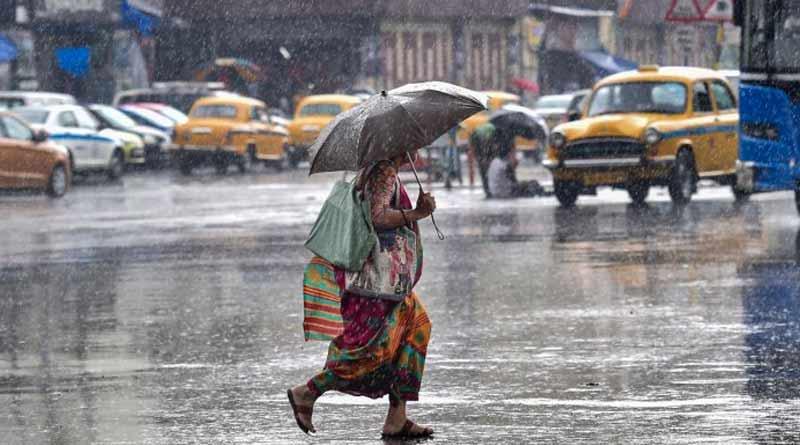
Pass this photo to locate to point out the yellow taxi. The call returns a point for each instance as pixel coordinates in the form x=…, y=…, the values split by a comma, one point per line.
x=668, y=126
x=312, y=114
x=229, y=130
x=497, y=99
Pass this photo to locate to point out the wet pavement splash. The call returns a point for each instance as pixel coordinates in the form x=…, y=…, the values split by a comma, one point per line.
x=166, y=310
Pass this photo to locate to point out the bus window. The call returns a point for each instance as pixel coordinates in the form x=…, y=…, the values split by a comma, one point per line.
x=754, y=36
x=787, y=37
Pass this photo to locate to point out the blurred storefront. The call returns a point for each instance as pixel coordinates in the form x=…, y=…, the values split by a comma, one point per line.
x=572, y=51
x=320, y=46
x=476, y=45
x=643, y=34
x=87, y=48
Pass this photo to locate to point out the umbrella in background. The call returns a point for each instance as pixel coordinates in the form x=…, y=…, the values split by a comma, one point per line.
x=245, y=69
x=516, y=120
x=392, y=123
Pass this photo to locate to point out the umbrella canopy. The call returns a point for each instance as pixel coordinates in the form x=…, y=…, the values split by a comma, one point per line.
x=392, y=123
x=516, y=120
x=245, y=69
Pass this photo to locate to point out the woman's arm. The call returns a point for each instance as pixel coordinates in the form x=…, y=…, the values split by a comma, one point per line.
x=391, y=218
x=381, y=188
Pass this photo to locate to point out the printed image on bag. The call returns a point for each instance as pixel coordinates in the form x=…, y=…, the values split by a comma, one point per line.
x=391, y=269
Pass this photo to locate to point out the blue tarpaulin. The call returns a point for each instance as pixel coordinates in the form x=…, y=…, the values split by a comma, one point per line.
x=134, y=17
x=8, y=51
x=605, y=64
x=74, y=60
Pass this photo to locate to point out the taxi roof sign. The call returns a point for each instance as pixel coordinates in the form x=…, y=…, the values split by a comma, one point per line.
x=684, y=11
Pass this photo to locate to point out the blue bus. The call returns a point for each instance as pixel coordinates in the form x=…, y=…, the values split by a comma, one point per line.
x=769, y=96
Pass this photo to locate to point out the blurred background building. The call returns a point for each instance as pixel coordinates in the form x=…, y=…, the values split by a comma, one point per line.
x=92, y=48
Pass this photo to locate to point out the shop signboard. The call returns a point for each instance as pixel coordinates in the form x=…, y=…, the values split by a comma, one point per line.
x=74, y=10
x=8, y=12
x=152, y=7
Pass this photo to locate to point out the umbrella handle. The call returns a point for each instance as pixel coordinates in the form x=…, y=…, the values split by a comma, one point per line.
x=439, y=233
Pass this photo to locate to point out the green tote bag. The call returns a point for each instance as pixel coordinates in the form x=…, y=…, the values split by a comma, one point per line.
x=343, y=233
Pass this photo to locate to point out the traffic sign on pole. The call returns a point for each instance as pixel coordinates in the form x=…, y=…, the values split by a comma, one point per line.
x=684, y=11
x=719, y=10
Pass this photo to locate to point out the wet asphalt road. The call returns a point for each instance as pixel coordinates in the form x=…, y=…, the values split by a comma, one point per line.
x=167, y=310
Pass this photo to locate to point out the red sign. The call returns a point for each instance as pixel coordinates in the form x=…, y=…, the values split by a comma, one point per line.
x=684, y=11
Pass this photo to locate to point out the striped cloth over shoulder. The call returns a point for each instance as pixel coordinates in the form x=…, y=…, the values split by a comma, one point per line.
x=322, y=318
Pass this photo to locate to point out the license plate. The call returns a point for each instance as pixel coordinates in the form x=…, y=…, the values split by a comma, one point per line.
x=602, y=178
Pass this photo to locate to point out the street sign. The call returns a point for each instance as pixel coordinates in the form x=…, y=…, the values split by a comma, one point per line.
x=685, y=37
x=684, y=11
x=719, y=10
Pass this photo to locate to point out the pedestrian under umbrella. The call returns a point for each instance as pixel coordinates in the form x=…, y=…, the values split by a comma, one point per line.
x=378, y=346
x=516, y=120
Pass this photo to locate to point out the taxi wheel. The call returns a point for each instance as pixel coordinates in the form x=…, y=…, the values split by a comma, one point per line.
x=278, y=165
x=294, y=158
x=566, y=193
x=221, y=165
x=117, y=166
x=740, y=196
x=246, y=160
x=185, y=165
x=57, y=184
x=682, y=181
x=638, y=192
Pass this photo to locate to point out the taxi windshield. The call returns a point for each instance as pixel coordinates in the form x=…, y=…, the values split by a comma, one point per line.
x=172, y=113
x=222, y=111
x=557, y=101
x=114, y=116
x=639, y=97
x=320, y=110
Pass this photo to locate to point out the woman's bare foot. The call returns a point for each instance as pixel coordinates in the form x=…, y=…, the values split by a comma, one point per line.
x=302, y=400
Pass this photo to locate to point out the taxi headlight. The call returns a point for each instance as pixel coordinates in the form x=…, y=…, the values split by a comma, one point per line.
x=149, y=139
x=651, y=136
x=557, y=140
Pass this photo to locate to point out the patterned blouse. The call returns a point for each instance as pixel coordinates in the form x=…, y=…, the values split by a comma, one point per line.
x=382, y=185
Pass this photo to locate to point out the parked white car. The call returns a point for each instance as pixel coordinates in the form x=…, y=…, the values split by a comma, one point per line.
x=76, y=129
x=15, y=99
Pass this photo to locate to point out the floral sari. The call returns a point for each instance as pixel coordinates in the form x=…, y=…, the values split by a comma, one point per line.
x=377, y=347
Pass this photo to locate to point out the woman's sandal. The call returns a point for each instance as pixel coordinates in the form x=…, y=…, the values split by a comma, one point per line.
x=297, y=410
x=406, y=433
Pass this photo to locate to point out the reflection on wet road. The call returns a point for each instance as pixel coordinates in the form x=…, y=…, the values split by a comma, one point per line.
x=167, y=310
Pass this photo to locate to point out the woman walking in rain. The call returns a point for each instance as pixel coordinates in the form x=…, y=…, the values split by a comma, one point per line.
x=383, y=344
x=365, y=304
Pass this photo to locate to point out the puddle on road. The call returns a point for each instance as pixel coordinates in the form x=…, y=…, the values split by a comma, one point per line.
x=600, y=325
